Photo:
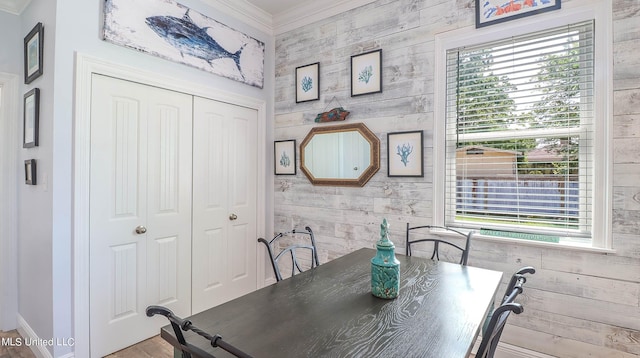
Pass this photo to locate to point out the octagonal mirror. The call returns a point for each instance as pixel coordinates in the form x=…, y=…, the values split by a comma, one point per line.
x=343, y=155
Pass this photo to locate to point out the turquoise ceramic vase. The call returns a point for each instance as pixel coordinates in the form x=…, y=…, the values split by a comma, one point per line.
x=385, y=268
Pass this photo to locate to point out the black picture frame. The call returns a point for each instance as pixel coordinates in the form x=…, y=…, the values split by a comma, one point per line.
x=283, y=152
x=30, y=172
x=308, y=83
x=366, y=73
x=405, y=154
x=490, y=12
x=31, y=118
x=33, y=53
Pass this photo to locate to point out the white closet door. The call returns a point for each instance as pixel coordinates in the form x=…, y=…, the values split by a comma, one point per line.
x=141, y=164
x=224, y=202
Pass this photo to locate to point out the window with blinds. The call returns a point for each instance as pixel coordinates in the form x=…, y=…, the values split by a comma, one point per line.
x=519, y=135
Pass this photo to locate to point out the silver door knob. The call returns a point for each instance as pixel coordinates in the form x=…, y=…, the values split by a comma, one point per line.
x=233, y=217
x=141, y=230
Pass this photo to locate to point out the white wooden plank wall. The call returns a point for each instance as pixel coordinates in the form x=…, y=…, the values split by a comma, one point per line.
x=578, y=304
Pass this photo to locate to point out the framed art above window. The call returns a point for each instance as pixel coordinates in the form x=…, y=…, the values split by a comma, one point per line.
x=33, y=47
x=490, y=12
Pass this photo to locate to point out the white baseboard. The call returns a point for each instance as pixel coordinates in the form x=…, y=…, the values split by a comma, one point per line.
x=506, y=350
x=39, y=350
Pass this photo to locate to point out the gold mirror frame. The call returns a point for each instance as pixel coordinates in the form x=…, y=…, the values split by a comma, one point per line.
x=374, y=162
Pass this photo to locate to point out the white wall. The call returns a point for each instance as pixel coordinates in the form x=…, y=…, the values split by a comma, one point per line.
x=45, y=210
x=578, y=304
x=11, y=43
x=35, y=261
x=10, y=78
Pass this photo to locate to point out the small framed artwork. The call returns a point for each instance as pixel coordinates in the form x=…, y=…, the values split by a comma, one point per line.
x=489, y=12
x=308, y=82
x=30, y=172
x=404, y=154
x=285, y=157
x=366, y=73
x=31, y=117
x=33, y=46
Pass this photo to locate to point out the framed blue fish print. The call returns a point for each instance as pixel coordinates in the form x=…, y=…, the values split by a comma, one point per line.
x=490, y=12
x=284, y=153
x=308, y=83
x=366, y=73
x=172, y=31
x=404, y=154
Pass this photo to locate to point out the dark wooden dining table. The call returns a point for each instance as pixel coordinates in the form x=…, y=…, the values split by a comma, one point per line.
x=329, y=311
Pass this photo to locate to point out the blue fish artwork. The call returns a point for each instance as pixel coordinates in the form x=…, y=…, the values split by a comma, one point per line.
x=188, y=38
x=167, y=29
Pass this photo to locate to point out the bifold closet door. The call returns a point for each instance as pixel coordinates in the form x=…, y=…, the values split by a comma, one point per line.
x=224, y=202
x=140, y=203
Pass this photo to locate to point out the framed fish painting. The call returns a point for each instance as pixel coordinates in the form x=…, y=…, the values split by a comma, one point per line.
x=285, y=157
x=167, y=29
x=489, y=12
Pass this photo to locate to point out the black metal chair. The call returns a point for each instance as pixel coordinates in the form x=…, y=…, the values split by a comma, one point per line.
x=491, y=338
x=437, y=241
x=188, y=349
x=276, y=251
x=497, y=318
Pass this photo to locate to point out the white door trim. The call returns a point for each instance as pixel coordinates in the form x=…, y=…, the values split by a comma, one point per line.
x=9, y=115
x=86, y=66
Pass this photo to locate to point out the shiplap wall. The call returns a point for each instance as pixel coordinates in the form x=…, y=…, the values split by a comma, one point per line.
x=579, y=304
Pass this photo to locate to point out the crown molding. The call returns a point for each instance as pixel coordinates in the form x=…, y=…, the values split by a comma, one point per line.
x=14, y=7
x=245, y=12
x=304, y=14
x=310, y=12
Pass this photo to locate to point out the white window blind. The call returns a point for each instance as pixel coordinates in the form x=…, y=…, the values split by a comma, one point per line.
x=519, y=134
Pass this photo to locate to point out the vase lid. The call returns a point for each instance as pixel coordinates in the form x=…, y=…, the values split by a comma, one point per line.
x=384, y=242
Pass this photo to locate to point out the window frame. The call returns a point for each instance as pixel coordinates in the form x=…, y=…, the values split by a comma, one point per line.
x=600, y=11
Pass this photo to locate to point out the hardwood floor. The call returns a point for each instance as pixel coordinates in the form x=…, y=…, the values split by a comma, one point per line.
x=13, y=346
x=154, y=347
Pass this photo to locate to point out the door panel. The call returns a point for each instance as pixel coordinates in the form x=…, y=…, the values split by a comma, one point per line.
x=140, y=145
x=224, y=212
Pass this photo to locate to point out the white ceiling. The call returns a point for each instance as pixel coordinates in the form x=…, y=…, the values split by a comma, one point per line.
x=272, y=7
x=270, y=16
x=277, y=7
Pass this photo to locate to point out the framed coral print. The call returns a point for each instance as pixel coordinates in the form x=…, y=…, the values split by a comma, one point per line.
x=33, y=46
x=404, y=154
x=308, y=82
x=285, y=157
x=30, y=172
x=366, y=73
x=31, y=117
x=489, y=12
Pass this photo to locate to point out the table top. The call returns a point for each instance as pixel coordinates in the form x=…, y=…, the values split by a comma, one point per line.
x=330, y=312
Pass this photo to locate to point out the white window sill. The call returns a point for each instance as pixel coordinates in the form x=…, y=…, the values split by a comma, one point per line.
x=550, y=245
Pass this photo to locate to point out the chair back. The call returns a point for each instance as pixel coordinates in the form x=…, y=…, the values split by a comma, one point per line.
x=278, y=248
x=413, y=230
x=491, y=337
x=493, y=326
x=189, y=350
x=514, y=288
